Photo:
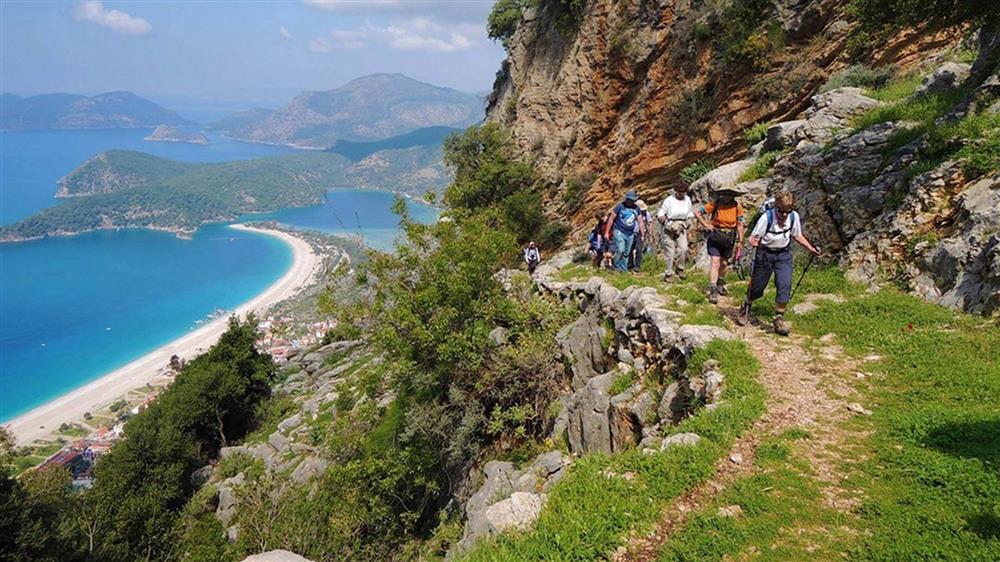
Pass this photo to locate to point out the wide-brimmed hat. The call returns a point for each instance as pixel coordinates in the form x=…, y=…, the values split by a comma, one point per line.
x=737, y=189
x=631, y=196
x=642, y=205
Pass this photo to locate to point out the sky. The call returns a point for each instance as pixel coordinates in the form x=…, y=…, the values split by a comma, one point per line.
x=240, y=52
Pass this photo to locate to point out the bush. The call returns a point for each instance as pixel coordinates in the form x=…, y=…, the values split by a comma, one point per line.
x=860, y=76
x=756, y=133
x=576, y=189
x=503, y=20
x=696, y=171
x=761, y=167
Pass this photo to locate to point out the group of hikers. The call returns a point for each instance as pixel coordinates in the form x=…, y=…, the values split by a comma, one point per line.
x=621, y=237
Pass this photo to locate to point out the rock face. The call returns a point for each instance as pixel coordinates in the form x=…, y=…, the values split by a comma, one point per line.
x=632, y=95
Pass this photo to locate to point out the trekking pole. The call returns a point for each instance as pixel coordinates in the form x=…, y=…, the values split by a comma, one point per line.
x=802, y=276
x=753, y=262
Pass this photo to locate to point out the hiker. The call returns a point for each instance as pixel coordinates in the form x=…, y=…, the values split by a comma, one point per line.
x=772, y=236
x=725, y=232
x=532, y=257
x=675, y=215
x=621, y=229
x=595, y=241
x=642, y=237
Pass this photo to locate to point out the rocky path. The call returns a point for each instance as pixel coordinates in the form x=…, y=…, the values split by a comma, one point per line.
x=809, y=385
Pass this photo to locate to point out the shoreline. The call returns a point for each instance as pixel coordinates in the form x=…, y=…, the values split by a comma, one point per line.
x=70, y=407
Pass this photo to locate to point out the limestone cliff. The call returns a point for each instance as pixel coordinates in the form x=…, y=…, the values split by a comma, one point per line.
x=641, y=88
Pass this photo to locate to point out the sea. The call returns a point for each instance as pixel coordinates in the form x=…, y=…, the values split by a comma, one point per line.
x=75, y=308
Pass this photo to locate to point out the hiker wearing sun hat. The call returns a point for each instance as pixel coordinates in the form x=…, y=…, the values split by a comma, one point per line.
x=722, y=218
x=621, y=229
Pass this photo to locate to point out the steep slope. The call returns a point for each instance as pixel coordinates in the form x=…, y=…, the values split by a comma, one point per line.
x=367, y=108
x=636, y=90
x=69, y=111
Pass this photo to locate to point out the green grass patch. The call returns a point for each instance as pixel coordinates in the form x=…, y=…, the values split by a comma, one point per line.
x=755, y=133
x=861, y=76
x=922, y=110
x=783, y=516
x=623, y=381
x=588, y=513
x=896, y=90
x=931, y=476
x=761, y=167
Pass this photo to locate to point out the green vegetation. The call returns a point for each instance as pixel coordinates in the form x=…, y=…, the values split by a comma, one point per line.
x=756, y=133
x=761, y=167
x=604, y=496
x=743, y=39
x=693, y=172
x=692, y=107
x=576, y=189
x=879, y=18
x=504, y=19
x=426, y=136
x=929, y=478
x=860, y=76
x=782, y=515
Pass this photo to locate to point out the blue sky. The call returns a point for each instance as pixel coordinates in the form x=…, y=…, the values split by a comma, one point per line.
x=236, y=51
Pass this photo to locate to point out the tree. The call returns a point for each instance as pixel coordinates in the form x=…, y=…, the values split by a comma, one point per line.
x=504, y=19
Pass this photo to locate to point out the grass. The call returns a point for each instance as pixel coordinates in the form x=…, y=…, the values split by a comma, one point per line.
x=74, y=431
x=623, y=381
x=861, y=76
x=761, y=167
x=782, y=515
x=930, y=475
x=756, y=133
x=922, y=110
x=588, y=512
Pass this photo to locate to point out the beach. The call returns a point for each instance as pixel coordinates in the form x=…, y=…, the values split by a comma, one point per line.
x=71, y=407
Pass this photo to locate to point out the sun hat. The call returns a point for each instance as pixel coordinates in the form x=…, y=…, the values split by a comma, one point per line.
x=642, y=205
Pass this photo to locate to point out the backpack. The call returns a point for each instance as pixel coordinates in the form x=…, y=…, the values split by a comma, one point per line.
x=767, y=209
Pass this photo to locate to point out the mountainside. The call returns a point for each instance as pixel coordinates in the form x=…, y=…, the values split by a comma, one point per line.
x=240, y=119
x=428, y=136
x=69, y=111
x=628, y=95
x=124, y=188
x=367, y=108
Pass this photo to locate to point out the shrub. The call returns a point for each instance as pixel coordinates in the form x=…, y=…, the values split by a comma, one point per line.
x=576, y=189
x=696, y=171
x=503, y=20
x=761, y=167
x=756, y=133
x=691, y=108
x=860, y=76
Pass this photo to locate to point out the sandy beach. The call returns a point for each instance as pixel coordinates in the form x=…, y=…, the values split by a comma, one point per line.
x=71, y=407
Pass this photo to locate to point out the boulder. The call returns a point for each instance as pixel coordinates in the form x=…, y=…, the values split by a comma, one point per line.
x=675, y=402
x=830, y=111
x=227, y=498
x=278, y=441
x=582, y=345
x=289, y=423
x=276, y=556
x=308, y=468
x=498, y=336
x=724, y=176
x=947, y=76
x=518, y=512
x=589, y=427
x=680, y=440
x=782, y=135
x=695, y=335
x=202, y=475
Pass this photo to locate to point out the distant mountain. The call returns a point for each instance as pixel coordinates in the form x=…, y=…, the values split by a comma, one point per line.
x=167, y=133
x=113, y=110
x=428, y=136
x=241, y=119
x=369, y=108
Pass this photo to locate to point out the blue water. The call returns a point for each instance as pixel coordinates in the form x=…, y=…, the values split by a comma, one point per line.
x=60, y=296
x=352, y=212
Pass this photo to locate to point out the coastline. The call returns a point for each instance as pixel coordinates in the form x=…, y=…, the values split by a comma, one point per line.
x=46, y=419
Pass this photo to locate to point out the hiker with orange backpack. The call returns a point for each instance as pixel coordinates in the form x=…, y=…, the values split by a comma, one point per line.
x=772, y=237
x=722, y=218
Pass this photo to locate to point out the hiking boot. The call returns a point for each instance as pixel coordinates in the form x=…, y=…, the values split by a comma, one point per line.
x=743, y=318
x=780, y=326
x=667, y=277
x=713, y=294
x=721, y=285
x=681, y=275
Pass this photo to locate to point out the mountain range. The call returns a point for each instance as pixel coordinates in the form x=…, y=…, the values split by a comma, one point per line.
x=111, y=110
x=369, y=108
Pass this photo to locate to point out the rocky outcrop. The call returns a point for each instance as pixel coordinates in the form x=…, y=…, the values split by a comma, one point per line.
x=638, y=90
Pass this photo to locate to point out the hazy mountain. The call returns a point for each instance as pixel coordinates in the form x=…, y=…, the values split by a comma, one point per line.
x=368, y=108
x=241, y=119
x=112, y=110
x=428, y=136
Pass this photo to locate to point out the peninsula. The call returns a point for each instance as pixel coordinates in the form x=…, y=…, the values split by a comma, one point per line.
x=167, y=133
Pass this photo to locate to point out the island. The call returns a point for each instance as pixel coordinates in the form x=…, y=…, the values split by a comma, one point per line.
x=168, y=133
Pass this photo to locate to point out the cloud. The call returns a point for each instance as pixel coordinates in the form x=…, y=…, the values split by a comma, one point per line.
x=417, y=34
x=94, y=12
x=442, y=10
x=285, y=33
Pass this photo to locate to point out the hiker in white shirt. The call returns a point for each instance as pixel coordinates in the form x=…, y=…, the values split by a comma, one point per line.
x=675, y=215
x=772, y=236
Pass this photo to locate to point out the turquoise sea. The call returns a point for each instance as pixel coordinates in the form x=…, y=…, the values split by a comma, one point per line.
x=73, y=309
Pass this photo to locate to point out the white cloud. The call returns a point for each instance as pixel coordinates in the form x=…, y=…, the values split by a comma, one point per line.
x=285, y=33
x=94, y=12
x=417, y=34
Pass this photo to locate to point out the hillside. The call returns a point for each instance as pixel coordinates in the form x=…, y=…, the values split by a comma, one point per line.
x=111, y=110
x=367, y=108
x=121, y=188
x=428, y=136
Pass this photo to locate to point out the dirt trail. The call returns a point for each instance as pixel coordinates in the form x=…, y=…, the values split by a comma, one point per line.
x=809, y=386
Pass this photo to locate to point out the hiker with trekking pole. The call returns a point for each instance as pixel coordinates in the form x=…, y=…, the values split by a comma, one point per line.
x=776, y=227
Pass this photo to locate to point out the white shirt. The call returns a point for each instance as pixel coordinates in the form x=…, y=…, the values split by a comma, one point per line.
x=674, y=208
x=780, y=234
